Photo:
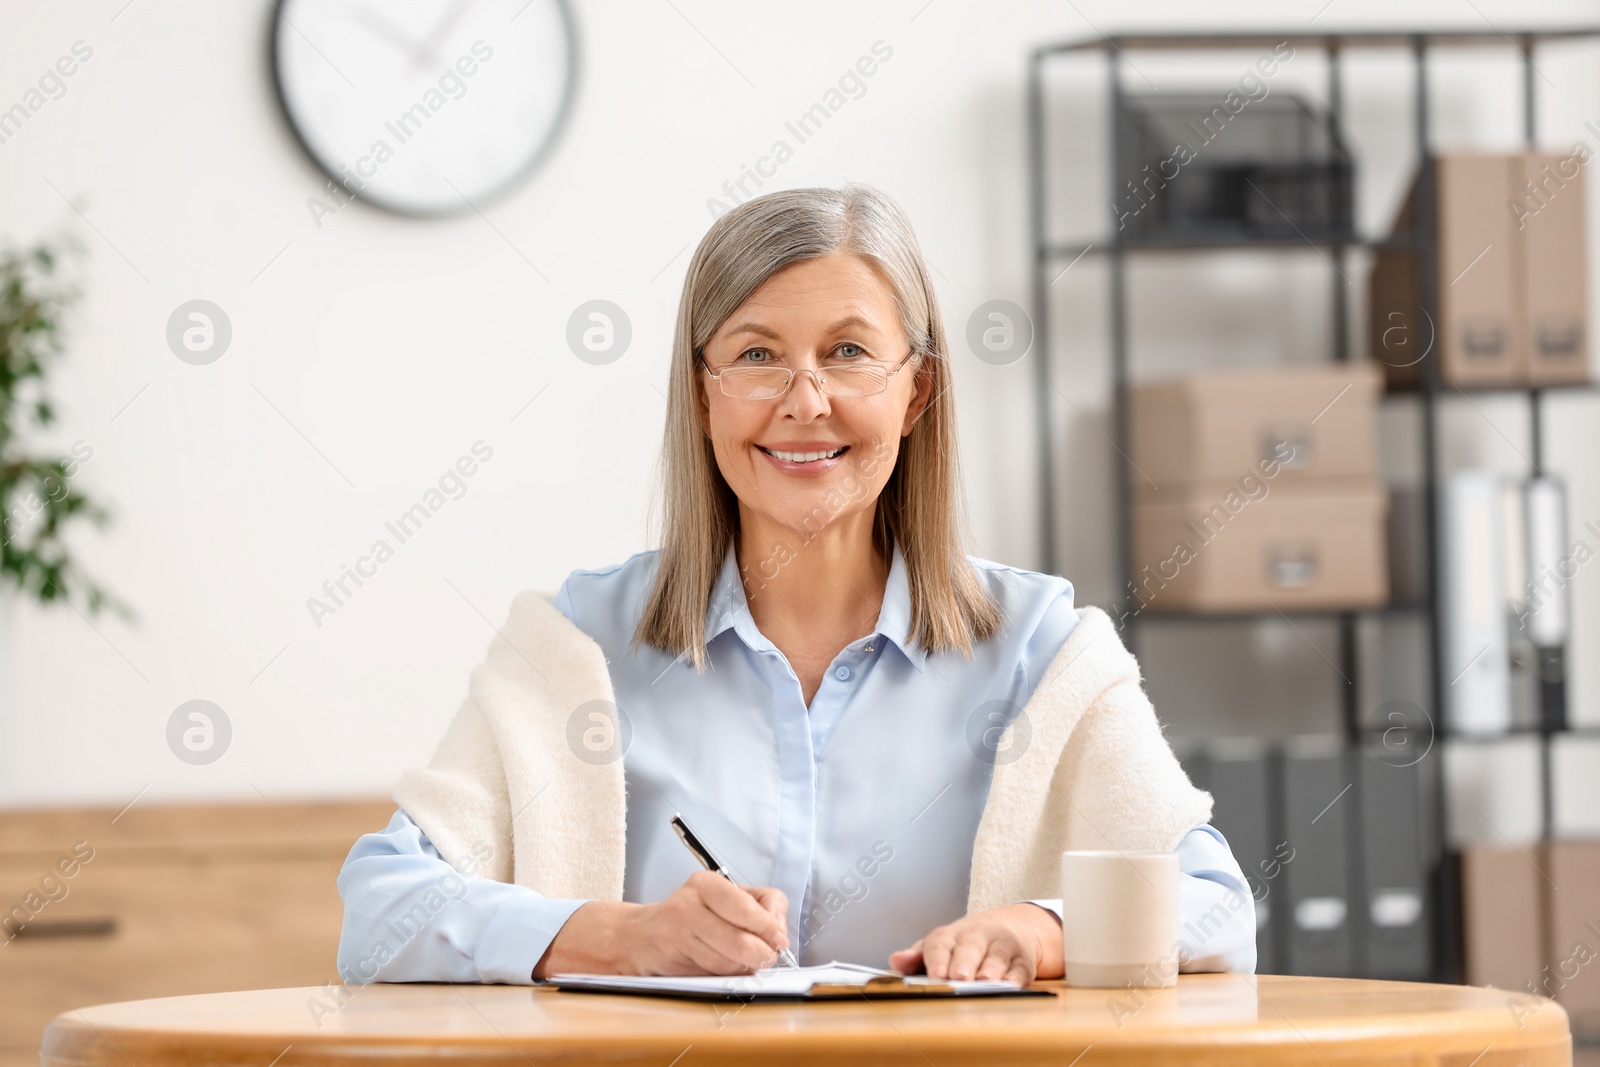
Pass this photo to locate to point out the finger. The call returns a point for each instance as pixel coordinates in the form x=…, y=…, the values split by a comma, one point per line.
x=721, y=948
x=737, y=907
x=936, y=952
x=709, y=958
x=736, y=904
x=967, y=954
x=997, y=961
x=907, y=960
x=776, y=902
x=742, y=949
x=771, y=898
x=1020, y=973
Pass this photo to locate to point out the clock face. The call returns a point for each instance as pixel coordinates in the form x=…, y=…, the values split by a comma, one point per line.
x=425, y=107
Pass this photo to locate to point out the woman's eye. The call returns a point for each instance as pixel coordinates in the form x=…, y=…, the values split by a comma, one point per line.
x=747, y=353
x=850, y=351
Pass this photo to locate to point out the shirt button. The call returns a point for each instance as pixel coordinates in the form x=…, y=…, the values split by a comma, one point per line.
x=842, y=673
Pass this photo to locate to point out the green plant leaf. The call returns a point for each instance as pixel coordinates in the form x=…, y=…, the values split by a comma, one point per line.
x=38, y=501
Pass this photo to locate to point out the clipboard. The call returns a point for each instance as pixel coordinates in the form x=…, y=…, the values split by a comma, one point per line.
x=830, y=981
x=909, y=985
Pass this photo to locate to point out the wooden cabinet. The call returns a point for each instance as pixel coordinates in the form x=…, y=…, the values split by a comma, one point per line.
x=165, y=901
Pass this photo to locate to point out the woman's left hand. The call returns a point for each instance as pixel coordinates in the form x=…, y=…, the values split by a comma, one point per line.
x=1019, y=941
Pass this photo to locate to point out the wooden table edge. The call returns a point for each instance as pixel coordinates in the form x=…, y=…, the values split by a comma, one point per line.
x=75, y=1039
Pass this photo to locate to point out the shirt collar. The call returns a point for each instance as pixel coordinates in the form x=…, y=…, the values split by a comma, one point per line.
x=729, y=609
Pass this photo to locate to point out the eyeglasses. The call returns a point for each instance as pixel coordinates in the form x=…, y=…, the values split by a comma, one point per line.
x=769, y=383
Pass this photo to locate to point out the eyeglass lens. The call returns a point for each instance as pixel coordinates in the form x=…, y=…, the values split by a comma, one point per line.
x=767, y=382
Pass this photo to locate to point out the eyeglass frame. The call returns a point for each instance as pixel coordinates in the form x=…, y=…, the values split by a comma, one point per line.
x=815, y=377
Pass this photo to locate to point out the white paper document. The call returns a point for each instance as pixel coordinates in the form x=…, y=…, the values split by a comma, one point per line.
x=770, y=982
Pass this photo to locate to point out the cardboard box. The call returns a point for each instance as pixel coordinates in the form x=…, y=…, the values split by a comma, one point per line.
x=1302, y=424
x=1511, y=259
x=1571, y=972
x=1480, y=336
x=1502, y=896
x=1474, y=331
x=1255, y=546
x=1550, y=215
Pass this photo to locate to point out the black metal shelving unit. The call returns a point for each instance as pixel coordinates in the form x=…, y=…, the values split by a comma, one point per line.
x=1120, y=246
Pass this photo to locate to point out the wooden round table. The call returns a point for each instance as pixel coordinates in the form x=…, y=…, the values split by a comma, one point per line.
x=1207, y=1018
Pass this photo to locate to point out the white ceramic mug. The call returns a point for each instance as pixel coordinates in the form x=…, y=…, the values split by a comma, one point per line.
x=1119, y=919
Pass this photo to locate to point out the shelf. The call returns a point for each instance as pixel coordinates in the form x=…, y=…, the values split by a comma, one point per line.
x=1050, y=257
x=1209, y=40
x=1312, y=614
x=1445, y=389
x=1522, y=730
x=1202, y=243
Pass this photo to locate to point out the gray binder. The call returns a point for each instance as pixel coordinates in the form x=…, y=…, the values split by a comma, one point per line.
x=1235, y=773
x=1395, y=908
x=1242, y=811
x=1316, y=806
x=1192, y=758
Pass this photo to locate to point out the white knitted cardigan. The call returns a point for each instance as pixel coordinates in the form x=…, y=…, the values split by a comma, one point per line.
x=1096, y=773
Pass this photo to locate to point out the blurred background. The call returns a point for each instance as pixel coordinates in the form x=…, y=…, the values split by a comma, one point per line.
x=330, y=326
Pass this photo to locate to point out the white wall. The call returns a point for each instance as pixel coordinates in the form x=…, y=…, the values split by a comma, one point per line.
x=374, y=350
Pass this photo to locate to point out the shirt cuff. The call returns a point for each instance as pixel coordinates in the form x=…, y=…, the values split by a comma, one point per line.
x=1052, y=906
x=517, y=938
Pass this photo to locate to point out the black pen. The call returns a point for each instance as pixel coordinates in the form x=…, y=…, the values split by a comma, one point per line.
x=709, y=862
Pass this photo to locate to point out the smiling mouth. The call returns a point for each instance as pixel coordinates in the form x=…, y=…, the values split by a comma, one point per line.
x=804, y=457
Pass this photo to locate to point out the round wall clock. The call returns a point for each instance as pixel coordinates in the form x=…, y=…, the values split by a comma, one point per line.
x=425, y=107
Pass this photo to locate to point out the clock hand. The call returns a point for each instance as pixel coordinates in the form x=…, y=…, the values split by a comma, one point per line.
x=388, y=30
x=449, y=19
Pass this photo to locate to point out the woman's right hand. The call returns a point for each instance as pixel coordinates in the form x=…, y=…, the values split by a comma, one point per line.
x=708, y=925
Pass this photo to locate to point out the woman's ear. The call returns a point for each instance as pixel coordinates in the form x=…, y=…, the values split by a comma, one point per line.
x=921, y=397
x=702, y=403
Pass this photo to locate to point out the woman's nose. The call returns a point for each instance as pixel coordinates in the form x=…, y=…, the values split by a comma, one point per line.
x=809, y=380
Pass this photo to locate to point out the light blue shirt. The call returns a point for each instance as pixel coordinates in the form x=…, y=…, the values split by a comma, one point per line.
x=862, y=807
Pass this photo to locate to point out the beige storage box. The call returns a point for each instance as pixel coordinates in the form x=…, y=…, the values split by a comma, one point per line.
x=1511, y=267
x=1554, y=260
x=1257, y=545
x=1288, y=425
x=1501, y=900
x=1572, y=954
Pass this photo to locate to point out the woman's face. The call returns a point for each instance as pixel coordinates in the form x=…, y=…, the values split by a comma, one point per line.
x=832, y=311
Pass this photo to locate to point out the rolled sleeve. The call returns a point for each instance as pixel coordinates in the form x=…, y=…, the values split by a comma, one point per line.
x=410, y=916
x=516, y=938
x=1217, y=927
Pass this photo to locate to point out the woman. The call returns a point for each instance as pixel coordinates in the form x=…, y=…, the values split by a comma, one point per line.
x=811, y=669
